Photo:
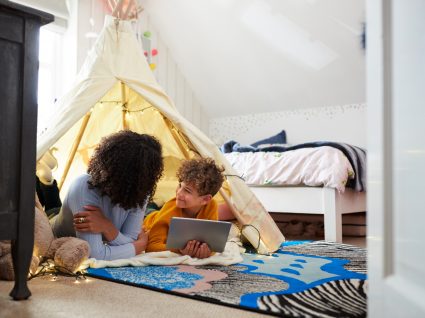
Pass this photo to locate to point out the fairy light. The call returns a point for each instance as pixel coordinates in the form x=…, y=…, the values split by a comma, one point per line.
x=48, y=268
x=140, y=110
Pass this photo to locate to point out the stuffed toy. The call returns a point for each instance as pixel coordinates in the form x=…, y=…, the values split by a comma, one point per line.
x=68, y=253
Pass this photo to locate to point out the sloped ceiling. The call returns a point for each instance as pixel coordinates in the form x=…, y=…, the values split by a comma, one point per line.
x=55, y=7
x=248, y=56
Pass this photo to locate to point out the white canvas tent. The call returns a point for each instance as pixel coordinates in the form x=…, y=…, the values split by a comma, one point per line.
x=116, y=90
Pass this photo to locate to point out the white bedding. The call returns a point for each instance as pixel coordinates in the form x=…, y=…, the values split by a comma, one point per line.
x=320, y=166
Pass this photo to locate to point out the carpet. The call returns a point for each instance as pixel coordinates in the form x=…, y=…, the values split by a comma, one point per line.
x=302, y=279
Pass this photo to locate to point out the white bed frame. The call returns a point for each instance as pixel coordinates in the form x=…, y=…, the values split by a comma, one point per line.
x=313, y=200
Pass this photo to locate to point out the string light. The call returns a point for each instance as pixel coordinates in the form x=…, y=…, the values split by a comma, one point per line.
x=240, y=244
x=139, y=110
x=48, y=268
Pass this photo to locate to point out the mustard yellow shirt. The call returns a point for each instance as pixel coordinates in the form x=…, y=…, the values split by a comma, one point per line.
x=158, y=222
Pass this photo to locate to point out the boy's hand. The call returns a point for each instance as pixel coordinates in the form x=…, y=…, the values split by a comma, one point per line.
x=203, y=251
x=191, y=248
x=196, y=249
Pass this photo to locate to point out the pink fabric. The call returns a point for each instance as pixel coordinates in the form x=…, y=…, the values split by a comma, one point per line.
x=320, y=166
x=202, y=284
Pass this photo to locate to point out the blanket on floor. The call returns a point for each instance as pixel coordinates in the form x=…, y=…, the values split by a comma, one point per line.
x=230, y=255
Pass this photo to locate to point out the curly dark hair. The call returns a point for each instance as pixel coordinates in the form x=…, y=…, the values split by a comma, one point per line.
x=203, y=174
x=126, y=167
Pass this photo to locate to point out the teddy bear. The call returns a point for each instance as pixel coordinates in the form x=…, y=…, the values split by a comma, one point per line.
x=67, y=253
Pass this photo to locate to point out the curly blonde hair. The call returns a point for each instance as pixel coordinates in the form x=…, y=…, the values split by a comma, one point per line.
x=126, y=166
x=203, y=174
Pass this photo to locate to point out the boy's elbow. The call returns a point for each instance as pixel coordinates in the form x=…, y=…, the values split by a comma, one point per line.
x=155, y=248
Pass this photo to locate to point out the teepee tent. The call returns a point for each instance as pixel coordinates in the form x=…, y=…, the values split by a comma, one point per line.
x=116, y=90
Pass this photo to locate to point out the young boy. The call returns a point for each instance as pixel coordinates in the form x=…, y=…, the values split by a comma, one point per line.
x=199, y=181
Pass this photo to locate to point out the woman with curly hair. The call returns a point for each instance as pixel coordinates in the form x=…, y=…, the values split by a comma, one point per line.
x=106, y=206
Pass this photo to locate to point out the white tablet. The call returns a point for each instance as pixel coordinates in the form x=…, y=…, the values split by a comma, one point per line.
x=182, y=230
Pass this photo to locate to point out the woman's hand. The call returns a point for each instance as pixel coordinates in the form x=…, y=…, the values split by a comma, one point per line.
x=92, y=220
x=196, y=249
x=141, y=242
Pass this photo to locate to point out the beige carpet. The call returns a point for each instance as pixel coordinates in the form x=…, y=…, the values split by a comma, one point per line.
x=98, y=298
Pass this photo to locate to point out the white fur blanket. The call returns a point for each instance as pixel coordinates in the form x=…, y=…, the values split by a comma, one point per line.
x=230, y=255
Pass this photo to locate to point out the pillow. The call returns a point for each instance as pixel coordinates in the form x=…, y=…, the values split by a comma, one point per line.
x=279, y=138
x=272, y=145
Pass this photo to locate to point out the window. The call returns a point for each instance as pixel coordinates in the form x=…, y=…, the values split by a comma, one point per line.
x=49, y=74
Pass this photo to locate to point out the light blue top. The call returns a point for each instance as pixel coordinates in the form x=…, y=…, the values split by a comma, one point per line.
x=127, y=222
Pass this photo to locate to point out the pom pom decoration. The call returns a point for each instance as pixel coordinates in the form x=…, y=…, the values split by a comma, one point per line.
x=147, y=34
x=154, y=52
x=152, y=66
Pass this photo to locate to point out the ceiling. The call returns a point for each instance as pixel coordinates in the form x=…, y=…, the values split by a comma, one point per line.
x=55, y=7
x=248, y=56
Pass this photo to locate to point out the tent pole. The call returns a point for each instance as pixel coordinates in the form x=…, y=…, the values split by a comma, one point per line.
x=124, y=106
x=74, y=148
x=251, y=233
x=176, y=136
x=118, y=9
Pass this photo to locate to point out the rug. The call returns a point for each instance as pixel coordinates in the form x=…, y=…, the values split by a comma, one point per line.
x=302, y=279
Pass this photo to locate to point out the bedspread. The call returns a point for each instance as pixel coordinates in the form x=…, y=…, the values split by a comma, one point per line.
x=320, y=166
x=355, y=155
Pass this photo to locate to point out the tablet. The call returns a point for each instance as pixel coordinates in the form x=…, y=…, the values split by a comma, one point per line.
x=182, y=230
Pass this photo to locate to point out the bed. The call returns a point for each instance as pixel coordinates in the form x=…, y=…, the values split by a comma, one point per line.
x=314, y=178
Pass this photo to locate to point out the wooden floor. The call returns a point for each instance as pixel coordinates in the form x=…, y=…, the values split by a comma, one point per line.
x=297, y=227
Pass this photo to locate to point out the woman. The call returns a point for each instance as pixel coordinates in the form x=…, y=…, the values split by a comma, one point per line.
x=106, y=206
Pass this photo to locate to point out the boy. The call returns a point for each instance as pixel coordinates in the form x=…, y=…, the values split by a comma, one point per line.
x=199, y=181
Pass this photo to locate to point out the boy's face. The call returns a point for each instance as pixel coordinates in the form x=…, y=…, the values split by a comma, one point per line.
x=187, y=197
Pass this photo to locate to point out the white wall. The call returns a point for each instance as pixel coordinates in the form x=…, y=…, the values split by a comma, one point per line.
x=248, y=56
x=345, y=123
x=210, y=74
x=171, y=78
x=260, y=66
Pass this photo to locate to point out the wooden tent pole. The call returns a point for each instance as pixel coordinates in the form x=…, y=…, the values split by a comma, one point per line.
x=127, y=11
x=118, y=9
x=74, y=148
x=124, y=106
x=183, y=149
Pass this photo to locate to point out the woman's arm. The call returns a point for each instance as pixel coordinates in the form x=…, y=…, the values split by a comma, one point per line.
x=131, y=227
x=79, y=195
x=92, y=219
x=100, y=250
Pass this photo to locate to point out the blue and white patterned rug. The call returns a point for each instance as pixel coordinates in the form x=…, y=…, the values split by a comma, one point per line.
x=302, y=279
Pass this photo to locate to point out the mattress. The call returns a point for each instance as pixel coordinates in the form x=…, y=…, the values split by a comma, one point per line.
x=321, y=166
